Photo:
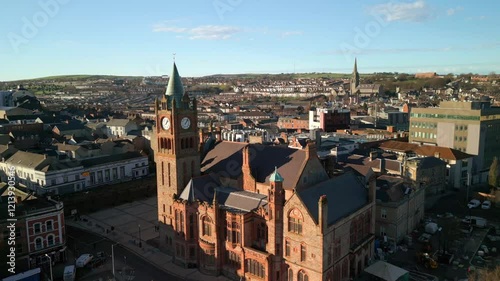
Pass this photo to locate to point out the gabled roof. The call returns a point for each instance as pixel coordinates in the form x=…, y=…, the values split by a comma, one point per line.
x=345, y=195
x=200, y=188
x=227, y=158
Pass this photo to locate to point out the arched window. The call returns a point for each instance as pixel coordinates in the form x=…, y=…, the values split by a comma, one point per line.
x=207, y=226
x=38, y=243
x=295, y=220
x=50, y=240
x=303, y=252
x=191, y=142
x=302, y=276
x=290, y=274
x=182, y=143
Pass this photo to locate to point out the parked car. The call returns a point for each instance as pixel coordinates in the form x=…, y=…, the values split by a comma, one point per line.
x=486, y=205
x=83, y=260
x=474, y=203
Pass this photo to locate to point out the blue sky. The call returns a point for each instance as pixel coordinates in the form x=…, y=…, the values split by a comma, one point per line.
x=55, y=37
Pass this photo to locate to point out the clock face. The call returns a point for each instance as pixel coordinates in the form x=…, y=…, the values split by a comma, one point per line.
x=165, y=123
x=185, y=123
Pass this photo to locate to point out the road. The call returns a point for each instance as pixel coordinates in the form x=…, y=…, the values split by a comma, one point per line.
x=127, y=264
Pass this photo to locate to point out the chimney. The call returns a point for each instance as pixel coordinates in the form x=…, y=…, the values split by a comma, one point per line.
x=311, y=150
x=373, y=155
x=437, y=154
x=323, y=213
x=284, y=136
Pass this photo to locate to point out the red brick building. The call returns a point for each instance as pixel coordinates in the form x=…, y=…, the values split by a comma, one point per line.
x=253, y=211
x=295, y=123
x=39, y=230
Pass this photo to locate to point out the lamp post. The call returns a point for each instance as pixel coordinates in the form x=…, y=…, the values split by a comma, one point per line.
x=113, y=258
x=140, y=241
x=50, y=259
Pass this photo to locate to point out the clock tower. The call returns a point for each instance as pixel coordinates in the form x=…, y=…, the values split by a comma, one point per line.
x=176, y=152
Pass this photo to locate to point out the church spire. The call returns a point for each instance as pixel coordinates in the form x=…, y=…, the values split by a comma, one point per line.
x=175, y=89
x=355, y=77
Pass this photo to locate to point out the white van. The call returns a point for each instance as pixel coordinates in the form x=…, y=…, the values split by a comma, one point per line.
x=69, y=273
x=83, y=260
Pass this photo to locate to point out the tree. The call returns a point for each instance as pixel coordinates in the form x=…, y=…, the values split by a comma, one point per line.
x=493, y=174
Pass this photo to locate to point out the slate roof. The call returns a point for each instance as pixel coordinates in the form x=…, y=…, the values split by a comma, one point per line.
x=240, y=200
x=429, y=162
x=425, y=150
x=390, y=189
x=39, y=162
x=118, y=122
x=71, y=126
x=345, y=195
x=110, y=158
x=200, y=188
x=6, y=151
x=226, y=158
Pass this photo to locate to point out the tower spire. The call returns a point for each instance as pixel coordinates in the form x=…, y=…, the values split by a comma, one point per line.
x=175, y=89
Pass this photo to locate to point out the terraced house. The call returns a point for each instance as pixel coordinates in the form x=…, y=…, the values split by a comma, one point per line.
x=254, y=211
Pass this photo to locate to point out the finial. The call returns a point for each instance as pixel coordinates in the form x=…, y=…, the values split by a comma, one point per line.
x=173, y=57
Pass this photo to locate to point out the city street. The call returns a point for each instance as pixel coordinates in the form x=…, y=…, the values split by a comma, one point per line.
x=128, y=266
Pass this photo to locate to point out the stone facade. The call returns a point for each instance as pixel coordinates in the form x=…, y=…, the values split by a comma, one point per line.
x=256, y=212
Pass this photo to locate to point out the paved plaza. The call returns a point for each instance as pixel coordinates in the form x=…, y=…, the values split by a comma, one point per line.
x=134, y=222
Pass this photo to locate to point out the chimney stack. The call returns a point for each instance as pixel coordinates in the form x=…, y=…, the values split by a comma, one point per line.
x=311, y=150
x=373, y=155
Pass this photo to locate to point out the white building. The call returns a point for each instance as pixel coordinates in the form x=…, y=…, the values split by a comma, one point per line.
x=120, y=127
x=45, y=174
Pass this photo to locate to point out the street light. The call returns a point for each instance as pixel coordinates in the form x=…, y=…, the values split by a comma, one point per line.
x=50, y=260
x=113, y=258
x=140, y=241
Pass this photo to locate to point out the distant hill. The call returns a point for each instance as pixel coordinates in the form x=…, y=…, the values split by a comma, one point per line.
x=79, y=77
x=84, y=77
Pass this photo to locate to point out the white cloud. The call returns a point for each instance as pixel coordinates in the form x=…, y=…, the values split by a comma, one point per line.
x=202, y=32
x=453, y=11
x=417, y=11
